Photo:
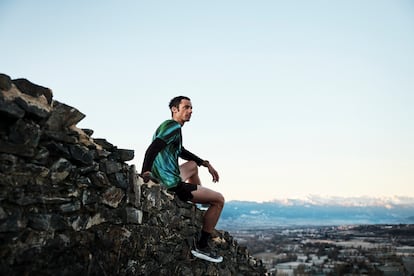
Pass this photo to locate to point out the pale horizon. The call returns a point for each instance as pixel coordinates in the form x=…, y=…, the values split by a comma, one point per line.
x=290, y=98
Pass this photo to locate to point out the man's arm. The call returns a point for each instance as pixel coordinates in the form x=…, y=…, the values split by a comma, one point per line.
x=156, y=146
x=187, y=155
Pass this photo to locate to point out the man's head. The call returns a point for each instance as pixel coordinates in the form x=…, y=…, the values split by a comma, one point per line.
x=175, y=102
x=181, y=109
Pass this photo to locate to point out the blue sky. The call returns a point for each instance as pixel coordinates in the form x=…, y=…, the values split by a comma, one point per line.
x=290, y=98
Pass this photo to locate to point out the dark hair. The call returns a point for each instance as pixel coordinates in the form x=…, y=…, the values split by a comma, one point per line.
x=177, y=100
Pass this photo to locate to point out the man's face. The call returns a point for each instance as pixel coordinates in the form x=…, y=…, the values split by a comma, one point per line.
x=182, y=114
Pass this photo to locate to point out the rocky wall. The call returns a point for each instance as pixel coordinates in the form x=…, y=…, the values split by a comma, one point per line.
x=71, y=205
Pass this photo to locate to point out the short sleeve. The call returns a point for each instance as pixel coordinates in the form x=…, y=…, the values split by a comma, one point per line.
x=167, y=131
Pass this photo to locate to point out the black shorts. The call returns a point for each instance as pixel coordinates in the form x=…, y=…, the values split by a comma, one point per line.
x=183, y=190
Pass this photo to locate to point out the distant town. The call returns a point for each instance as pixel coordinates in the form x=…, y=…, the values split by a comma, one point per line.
x=332, y=250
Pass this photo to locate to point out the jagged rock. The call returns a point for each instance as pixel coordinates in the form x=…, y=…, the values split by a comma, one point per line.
x=42, y=156
x=59, y=136
x=20, y=150
x=25, y=133
x=119, y=180
x=99, y=179
x=112, y=197
x=60, y=170
x=63, y=116
x=133, y=215
x=34, y=106
x=81, y=154
x=8, y=163
x=88, y=131
x=10, y=109
x=105, y=144
x=69, y=205
x=123, y=155
x=46, y=222
x=110, y=166
x=32, y=89
x=56, y=148
x=5, y=82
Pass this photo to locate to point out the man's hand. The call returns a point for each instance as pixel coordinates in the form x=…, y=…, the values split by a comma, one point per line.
x=211, y=170
x=146, y=176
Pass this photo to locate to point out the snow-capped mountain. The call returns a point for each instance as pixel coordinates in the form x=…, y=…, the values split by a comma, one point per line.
x=361, y=201
x=317, y=210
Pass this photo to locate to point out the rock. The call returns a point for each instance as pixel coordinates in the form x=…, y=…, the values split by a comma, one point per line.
x=10, y=109
x=32, y=89
x=25, y=133
x=5, y=82
x=70, y=205
x=63, y=116
x=34, y=106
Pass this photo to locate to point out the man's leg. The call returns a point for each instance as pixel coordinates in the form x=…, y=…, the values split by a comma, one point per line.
x=189, y=173
x=216, y=201
x=206, y=197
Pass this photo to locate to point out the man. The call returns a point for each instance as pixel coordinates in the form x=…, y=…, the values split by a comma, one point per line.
x=161, y=162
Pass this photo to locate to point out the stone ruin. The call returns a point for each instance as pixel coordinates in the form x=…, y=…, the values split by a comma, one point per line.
x=70, y=205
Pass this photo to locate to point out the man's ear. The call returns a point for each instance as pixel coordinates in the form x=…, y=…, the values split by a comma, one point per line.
x=174, y=109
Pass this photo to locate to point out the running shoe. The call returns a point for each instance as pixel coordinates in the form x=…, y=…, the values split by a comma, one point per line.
x=207, y=254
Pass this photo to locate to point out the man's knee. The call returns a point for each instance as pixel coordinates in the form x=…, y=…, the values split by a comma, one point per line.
x=193, y=166
x=188, y=170
x=220, y=200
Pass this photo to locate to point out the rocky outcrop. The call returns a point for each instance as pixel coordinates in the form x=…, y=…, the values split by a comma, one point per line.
x=70, y=205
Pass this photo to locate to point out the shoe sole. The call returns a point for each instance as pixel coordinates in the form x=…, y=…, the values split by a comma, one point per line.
x=206, y=258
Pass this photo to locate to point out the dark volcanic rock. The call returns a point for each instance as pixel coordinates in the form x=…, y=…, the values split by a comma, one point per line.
x=5, y=82
x=32, y=89
x=71, y=206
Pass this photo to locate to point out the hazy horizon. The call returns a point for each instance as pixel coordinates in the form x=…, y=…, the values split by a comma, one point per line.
x=361, y=200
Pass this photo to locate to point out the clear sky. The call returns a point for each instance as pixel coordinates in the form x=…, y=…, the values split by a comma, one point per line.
x=290, y=98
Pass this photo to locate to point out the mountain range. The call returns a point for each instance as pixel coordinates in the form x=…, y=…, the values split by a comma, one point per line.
x=317, y=210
